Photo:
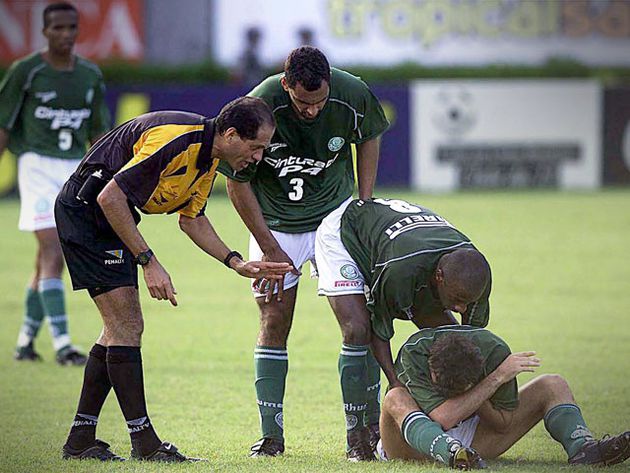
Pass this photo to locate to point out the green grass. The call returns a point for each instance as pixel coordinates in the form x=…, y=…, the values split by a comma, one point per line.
x=561, y=270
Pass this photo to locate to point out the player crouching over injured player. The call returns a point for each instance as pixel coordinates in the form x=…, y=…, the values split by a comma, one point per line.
x=460, y=403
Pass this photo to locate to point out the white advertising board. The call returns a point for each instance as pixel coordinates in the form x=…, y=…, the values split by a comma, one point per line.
x=539, y=133
x=430, y=32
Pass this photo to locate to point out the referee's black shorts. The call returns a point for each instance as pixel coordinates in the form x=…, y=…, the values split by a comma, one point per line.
x=97, y=259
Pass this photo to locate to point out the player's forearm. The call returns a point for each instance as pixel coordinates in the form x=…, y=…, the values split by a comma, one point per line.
x=247, y=206
x=452, y=411
x=201, y=232
x=113, y=201
x=367, y=166
x=382, y=351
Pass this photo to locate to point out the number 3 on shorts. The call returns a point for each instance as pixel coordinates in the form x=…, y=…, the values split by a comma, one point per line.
x=65, y=140
x=298, y=192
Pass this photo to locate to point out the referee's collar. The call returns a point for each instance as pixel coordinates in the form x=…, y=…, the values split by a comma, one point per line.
x=204, y=161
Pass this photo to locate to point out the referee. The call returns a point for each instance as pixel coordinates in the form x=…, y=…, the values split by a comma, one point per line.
x=160, y=162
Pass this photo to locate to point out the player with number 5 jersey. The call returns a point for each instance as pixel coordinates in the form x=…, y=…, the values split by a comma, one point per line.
x=305, y=174
x=51, y=106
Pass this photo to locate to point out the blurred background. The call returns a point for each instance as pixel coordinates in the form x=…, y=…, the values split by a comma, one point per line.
x=480, y=93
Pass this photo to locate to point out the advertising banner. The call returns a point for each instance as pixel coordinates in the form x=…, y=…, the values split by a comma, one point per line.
x=108, y=29
x=430, y=32
x=495, y=134
x=128, y=102
x=617, y=136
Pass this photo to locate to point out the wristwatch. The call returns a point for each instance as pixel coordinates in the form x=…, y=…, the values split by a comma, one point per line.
x=143, y=258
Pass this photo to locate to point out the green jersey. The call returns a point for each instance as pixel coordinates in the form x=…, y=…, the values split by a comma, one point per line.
x=412, y=365
x=52, y=112
x=307, y=170
x=397, y=246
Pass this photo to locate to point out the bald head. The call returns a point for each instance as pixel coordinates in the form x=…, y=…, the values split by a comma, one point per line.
x=461, y=278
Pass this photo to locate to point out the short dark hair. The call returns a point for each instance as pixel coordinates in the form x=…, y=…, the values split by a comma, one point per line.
x=468, y=270
x=247, y=115
x=61, y=6
x=308, y=66
x=456, y=363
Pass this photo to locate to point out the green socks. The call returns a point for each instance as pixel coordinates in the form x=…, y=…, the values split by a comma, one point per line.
x=271, y=365
x=52, y=296
x=566, y=425
x=33, y=317
x=373, y=413
x=354, y=383
x=428, y=437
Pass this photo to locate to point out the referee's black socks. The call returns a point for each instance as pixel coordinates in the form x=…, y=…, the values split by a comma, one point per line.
x=124, y=365
x=95, y=389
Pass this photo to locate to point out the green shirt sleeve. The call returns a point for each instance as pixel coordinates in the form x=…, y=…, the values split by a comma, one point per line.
x=506, y=397
x=11, y=95
x=101, y=119
x=372, y=121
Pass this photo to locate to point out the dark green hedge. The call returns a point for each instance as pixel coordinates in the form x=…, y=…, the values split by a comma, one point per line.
x=124, y=73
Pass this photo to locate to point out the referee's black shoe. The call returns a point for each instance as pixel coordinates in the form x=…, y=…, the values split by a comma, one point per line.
x=98, y=451
x=167, y=453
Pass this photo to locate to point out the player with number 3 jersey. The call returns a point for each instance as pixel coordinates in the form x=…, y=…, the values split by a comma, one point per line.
x=305, y=174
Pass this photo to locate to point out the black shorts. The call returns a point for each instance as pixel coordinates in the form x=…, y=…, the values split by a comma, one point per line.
x=96, y=257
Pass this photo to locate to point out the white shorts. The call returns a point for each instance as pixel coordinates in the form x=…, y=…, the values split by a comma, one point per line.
x=40, y=178
x=299, y=246
x=339, y=274
x=464, y=432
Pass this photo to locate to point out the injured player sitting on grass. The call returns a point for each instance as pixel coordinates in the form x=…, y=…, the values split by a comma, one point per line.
x=460, y=404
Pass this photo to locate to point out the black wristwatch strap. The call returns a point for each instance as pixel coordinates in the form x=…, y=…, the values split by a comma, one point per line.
x=229, y=257
x=143, y=258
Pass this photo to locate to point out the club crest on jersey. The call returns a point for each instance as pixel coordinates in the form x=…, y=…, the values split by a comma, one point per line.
x=336, y=143
x=46, y=97
x=117, y=253
x=348, y=271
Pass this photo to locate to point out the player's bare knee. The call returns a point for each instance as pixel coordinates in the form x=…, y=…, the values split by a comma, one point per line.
x=355, y=333
x=395, y=400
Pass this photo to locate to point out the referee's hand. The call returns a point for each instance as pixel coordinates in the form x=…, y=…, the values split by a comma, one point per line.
x=159, y=282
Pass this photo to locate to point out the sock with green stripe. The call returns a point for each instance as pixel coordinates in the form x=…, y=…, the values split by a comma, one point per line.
x=566, y=425
x=428, y=437
x=353, y=377
x=373, y=413
x=271, y=365
x=52, y=296
x=33, y=316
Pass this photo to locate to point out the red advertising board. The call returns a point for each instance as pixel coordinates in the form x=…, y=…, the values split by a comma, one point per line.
x=108, y=29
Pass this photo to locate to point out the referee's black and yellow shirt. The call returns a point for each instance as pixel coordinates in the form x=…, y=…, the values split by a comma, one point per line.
x=161, y=161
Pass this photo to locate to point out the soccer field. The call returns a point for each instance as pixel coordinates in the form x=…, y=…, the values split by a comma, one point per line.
x=561, y=286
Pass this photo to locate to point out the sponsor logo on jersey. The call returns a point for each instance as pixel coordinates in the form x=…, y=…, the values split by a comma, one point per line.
x=297, y=164
x=62, y=118
x=413, y=222
x=46, y=97
x=275, y=146
x=336, y=143
x=116, y=253
x=347, y=283
x=349, y=271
